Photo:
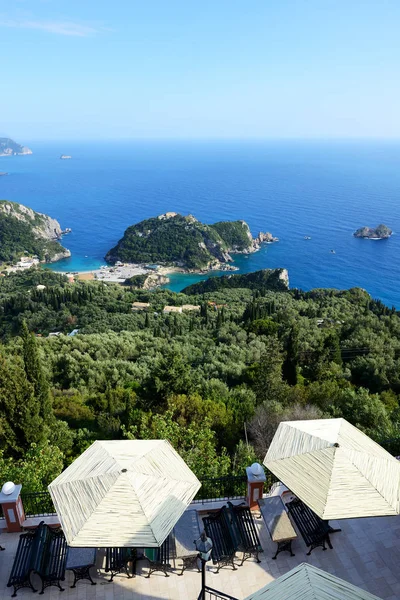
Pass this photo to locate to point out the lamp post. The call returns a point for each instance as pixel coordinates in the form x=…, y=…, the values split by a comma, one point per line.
x=204, y=548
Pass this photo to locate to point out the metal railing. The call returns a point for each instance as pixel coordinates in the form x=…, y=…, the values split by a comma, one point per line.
x=38, y=504
x=215, y=595
x=221, y=488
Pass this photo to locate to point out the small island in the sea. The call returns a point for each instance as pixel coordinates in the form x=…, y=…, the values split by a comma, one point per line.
x=65, y=157
x=382, y=232
x=10, y=148
x=185, y=243
x=28, y=237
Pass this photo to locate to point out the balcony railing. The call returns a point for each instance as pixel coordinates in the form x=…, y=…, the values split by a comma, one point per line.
x=221, y=488
x=215, y=595
x=38, y=504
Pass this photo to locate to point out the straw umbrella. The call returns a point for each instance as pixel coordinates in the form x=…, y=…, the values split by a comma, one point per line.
x=127, y=493
x=306, y=582
x=334, y=468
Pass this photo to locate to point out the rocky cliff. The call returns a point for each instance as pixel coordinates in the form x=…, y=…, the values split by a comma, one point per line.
x=10, y=148
x=24, y=231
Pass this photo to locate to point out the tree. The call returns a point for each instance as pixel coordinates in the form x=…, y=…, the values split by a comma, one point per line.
x=20, y=420
x=35, y=374
x=290, y=364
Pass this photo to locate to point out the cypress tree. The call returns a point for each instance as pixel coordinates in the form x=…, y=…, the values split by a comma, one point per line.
x=35, y=373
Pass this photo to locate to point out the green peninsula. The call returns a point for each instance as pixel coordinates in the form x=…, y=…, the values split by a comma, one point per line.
x=26, y=232
x=183, y=241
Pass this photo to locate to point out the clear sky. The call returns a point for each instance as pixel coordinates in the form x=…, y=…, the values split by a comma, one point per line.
x=89, y=69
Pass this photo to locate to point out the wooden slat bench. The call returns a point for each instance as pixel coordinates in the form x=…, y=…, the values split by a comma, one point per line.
x=314, y=531
x=246, y=531
x=219, y=529
x=278, y=523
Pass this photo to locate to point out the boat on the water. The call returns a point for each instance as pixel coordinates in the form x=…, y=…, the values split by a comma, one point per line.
x=333, y=251
x=307, y=237
x=65, y=157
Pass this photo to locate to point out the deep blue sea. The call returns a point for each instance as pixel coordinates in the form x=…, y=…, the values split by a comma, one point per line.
x=325, y=190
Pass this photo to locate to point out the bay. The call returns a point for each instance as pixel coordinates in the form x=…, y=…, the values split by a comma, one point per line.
x=321, y=189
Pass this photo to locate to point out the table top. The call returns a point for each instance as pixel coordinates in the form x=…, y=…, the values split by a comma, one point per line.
x=276, y=519
x=185, y=532
x=80, y=557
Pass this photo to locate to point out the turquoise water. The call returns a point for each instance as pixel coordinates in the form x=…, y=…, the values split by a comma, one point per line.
x=322, y=189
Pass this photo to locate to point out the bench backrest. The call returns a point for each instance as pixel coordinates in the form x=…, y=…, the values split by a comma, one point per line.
x=311, y=527
x=244, y=526
x=22, y=562
x=49, y=553
x=116, y=558
x=219, y=529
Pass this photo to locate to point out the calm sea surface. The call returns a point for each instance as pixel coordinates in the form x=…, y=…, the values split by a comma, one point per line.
x=325, y=190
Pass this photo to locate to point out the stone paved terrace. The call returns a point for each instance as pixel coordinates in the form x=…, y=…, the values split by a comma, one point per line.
x=366, y=553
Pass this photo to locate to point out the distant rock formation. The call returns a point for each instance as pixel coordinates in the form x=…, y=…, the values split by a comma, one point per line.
x=381, y=232
x=10, y=148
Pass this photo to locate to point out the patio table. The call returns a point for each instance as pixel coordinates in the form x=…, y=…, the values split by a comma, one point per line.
x=185, y=533
x=79, y=561
x=278, y=523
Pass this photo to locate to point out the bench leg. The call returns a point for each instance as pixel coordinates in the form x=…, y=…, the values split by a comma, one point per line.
x=328, y=541
x=285, y=546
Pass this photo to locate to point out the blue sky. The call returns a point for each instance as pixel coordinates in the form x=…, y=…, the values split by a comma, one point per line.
x=95, y=69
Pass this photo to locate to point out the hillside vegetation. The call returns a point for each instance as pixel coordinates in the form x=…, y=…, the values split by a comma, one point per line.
x=24, y=231
x=247, y=357
x=183, y=241
x=267, y=279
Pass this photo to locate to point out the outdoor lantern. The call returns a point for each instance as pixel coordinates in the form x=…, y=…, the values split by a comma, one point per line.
x=204, y=547
x=257, y=470
x=8, y=488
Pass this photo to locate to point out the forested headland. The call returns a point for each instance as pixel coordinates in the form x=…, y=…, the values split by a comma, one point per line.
x=204, y=380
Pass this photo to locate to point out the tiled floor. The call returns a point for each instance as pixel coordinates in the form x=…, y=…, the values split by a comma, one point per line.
x=366, y=553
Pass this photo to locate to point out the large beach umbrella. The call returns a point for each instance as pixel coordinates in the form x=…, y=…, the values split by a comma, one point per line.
x=306, y=582
x=334, y=468
x=123, y=493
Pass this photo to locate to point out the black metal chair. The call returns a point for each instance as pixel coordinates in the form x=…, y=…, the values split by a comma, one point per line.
x=158, y=558
x=118, y=559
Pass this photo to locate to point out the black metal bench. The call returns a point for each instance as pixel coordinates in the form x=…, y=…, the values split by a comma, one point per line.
x=118, y=559
x=314, y=531
x=219, y=528
x=50, y=564
x=245, y=531
x=160, y=559
x=42, y=551
x=21, y=569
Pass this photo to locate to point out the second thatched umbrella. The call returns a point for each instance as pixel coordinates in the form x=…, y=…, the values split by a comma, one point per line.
x=334, y=468
x=123, y=493
x=306, y=582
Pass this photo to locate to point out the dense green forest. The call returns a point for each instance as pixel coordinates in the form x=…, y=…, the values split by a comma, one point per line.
x=175, y=239
x=249, y=359
x=267, y=279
